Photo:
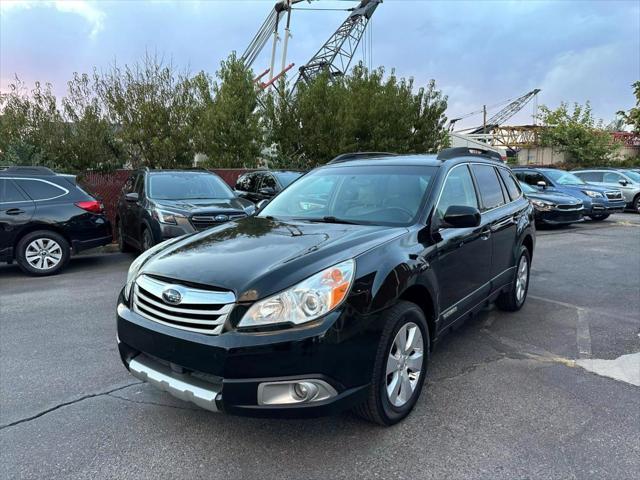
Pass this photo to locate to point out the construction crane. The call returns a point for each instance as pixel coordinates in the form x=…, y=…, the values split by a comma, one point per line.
x=504, y=114
x=334, y=56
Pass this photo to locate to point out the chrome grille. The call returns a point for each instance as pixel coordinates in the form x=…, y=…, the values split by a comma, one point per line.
x=202, y=311
x=202, y=222
x=614, y=195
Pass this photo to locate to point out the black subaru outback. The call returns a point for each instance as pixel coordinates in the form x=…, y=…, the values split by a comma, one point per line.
x=333, y=295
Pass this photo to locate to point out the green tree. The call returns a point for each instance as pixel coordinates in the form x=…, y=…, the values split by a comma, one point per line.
x=577, y=134
x=90, y=141
x=429, y=133
x=632, y=117
x=153, y=109
x=228, y=131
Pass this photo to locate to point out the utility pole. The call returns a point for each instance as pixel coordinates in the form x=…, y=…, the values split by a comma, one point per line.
x=484, y=119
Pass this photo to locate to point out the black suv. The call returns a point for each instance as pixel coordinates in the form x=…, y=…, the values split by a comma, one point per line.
x=264, y=185
x=333, y=295
x=44, y=216
x=159, y=204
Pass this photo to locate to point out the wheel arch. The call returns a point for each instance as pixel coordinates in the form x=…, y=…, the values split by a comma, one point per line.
x=35, y=227
x=420, y=295
x=527, y=241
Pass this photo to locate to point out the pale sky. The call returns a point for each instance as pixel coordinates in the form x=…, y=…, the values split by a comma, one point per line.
x=479, y=52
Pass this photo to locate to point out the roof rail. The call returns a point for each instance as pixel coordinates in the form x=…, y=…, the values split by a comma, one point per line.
x=345, y=157
x=28, y=170
x=449, y=153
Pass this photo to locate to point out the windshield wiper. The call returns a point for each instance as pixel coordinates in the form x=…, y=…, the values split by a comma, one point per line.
x=329, y=219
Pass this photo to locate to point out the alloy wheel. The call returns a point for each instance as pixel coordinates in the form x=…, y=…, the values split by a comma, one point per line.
x=522, y=278
x=43, y=253
x=404, y=364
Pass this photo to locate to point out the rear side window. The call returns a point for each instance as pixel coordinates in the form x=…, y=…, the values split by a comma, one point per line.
x=243, y=182
x=40, y=190
x=489, y=186
x=268, y=182
x=512, y=185
x=458, y=190
x=9, y=192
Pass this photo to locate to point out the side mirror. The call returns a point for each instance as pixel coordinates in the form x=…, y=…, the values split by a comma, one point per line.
x=267, y=191
x=542, y=184
x=131, y=197
x=623, y=182
x=459, y=216
x=261, y=204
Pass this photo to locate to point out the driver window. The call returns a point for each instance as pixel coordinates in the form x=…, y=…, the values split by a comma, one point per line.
x=612, y=178
x=458, y=190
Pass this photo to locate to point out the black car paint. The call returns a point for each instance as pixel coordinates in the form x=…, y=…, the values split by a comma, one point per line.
x=82, y=229
x=136, y=214
x=447, y=272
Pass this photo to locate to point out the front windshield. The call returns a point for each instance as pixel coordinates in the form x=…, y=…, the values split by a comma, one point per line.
x=380, y=195
x=187, y=186
x=633, y=175
x=564, y=178
x=526, y=188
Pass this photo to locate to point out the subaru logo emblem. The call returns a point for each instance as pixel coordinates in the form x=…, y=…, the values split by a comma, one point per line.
x=172, y=296
x=221, y=218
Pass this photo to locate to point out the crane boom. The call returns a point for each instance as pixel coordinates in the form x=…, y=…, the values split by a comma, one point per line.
x=336, y=54
x=506, y=113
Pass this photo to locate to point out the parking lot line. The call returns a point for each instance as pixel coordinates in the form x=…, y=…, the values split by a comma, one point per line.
x=583, y=334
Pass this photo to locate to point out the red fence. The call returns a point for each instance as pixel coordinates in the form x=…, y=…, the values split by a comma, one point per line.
x=108, y=186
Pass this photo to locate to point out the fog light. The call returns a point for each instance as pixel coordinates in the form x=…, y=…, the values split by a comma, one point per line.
x=294, y=391
x=305, y=391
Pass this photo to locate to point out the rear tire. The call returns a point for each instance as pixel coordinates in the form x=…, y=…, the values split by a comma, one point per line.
x=42, y=253
x=394, y=388
x=513, y=299
x=600, y=217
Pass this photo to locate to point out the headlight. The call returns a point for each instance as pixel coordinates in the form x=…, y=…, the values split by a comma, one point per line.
x=163, y=216
x=138, y=262
x=542, y=205
x=308, y=300
x=592, y=194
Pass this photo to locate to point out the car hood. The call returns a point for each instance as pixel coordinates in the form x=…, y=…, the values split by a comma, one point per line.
x=255, y=257
x=191, y=206
x=555, y=197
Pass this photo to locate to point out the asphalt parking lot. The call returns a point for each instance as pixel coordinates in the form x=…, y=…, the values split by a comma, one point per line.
x=506, y=395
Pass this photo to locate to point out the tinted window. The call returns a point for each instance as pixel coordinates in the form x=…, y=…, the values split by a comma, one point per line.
x=532, y=178
x=458, y=190
x=40, y=190
x=489, y=186
x=268, y=181
x=128, y=186
x=185, y=186
x=382, y=195
x=590, y=176
x=512, y=185
x=286, y=178
x=9, y=192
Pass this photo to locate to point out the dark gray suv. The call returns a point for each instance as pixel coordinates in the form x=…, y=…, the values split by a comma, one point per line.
x=159, y=204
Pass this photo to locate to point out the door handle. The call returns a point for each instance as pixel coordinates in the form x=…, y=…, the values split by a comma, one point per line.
x=485, y=233
x=14, y=211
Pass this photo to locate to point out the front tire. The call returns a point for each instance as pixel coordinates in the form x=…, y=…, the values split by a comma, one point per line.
x=636, y=204
x=600, y=217
x=42, y=253
x=513, y=299
x=400, y=366
x=123, y=246
x=147, y=240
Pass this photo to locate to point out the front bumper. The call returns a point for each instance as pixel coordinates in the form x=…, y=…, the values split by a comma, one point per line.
x=601, y=207
x=559, y=217
x=223, y=372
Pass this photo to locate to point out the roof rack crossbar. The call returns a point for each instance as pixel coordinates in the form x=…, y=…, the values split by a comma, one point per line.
x=345, y=157
x=449, y=153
